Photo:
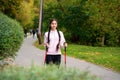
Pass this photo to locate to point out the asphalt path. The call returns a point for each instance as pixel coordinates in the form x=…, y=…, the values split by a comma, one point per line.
x=28, y=55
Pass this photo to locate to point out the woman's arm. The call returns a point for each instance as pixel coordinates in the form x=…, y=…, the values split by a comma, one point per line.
x=63, y=41
x=46, y=40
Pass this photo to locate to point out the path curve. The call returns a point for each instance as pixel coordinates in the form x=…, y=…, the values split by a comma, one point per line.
x=28, y=55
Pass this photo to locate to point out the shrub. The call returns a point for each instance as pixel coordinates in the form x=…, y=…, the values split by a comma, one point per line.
x=11, y=36
x=44, y=73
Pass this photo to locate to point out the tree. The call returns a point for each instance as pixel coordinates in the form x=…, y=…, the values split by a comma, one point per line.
x=21, y=10
x=26, y=14
x=102, y=21
x=88, y=22
x=10, y=7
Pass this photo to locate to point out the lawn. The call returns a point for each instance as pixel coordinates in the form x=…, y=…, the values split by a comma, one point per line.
x=104, y=56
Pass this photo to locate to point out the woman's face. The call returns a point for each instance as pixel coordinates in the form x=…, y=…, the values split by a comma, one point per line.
x=53, y=25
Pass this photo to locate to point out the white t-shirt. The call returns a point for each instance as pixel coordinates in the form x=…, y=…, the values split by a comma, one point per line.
x=54, y=39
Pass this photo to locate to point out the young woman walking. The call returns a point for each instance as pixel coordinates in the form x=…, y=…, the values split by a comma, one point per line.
x=54, y=40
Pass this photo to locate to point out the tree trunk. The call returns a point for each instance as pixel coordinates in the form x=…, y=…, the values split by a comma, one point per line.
x=103, y=40
x=39, y=38
x=40, y=22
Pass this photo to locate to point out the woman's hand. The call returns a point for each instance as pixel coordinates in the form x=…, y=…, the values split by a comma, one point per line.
x=46, y=44
x=65, y=44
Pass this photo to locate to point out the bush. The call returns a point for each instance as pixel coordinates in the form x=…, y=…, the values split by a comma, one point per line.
x=44, y=73
x=11, y=37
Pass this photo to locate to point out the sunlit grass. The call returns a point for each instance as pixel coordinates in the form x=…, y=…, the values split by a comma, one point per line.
x=104, y=56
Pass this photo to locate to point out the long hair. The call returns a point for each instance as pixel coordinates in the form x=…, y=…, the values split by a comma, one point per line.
x=57, y=47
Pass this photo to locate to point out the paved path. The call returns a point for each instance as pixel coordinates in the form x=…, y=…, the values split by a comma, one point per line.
x=28, y=54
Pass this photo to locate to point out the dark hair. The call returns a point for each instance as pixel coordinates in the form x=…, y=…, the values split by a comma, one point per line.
x=57, y=47
x=54, y=19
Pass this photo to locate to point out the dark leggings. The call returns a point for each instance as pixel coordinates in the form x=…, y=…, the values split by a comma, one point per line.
x=53, y=59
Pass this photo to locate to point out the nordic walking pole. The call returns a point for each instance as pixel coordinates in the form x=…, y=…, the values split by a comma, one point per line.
x=45, y=55
x=65, y=55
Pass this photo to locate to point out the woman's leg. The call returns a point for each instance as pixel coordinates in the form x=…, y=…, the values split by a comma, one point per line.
x=49, y=59
x=57, y=59
x=53, y=59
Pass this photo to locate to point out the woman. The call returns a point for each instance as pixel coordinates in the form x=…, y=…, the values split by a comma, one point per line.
x=54, y=40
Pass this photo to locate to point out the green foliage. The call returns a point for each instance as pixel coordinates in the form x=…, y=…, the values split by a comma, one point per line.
x=44, y=73
x=74, y=22
x=103, y=22
x=70, y=17
x=10, y=7
x=11, y=36
x=88, y=22
x=21, y=10
x=26, y=14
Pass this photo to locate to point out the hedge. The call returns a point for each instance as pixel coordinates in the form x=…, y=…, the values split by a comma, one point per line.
x=11, y=36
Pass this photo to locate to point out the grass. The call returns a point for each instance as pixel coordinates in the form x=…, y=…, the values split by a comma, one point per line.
x=44, y=73
x=103, y=56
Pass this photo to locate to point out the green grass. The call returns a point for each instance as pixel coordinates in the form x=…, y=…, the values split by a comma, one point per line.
x=104, y=56
x=44, y=73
